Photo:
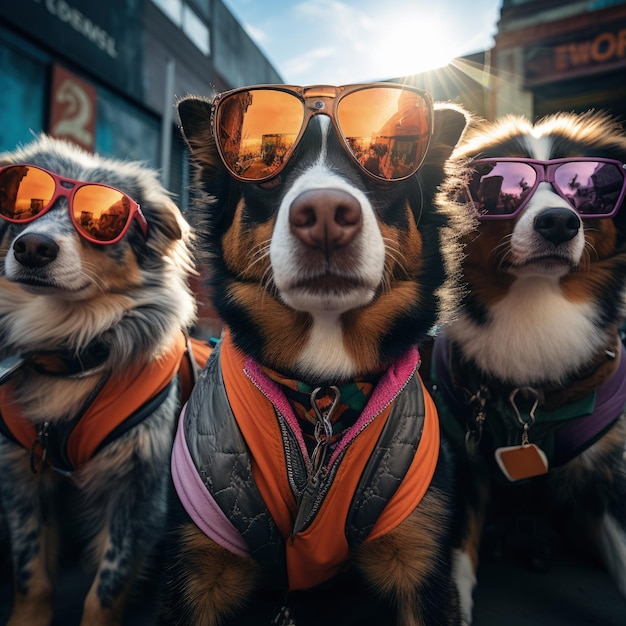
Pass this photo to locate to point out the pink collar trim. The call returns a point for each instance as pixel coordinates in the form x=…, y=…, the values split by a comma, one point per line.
x=387, y=389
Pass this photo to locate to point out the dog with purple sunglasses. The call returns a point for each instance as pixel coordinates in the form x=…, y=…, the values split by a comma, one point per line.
x=530, y=377
x=94, y=311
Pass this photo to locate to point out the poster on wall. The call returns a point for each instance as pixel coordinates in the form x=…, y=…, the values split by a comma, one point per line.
x=72, y=109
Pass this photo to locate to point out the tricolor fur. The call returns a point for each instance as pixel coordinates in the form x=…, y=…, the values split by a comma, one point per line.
x=131, y=297
x=324, y=275
x=544, y=313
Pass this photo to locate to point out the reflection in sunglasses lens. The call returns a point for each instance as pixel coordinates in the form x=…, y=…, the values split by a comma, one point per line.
x=100, y=212
x=499, y=188
x=24, y=192
x=387, y=130
x=591, y=187
x=257, y=129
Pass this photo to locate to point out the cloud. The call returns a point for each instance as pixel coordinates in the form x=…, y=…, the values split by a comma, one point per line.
x=257, y=34
x=344, y=41
x=301, y=65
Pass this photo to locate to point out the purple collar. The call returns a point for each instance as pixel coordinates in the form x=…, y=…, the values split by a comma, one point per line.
x=573, y=435
x=578, y=434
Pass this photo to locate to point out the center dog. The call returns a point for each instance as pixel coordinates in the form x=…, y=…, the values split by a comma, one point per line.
x=530, y=379
x=94, y=309
x=307, y=463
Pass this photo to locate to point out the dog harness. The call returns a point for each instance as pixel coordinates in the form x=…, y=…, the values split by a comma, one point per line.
x=121, y=402
x=242, y=472
x=562, y=433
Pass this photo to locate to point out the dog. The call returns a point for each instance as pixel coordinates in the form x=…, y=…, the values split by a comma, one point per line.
x=94, y=310
x=529, y=376
x=327, y=270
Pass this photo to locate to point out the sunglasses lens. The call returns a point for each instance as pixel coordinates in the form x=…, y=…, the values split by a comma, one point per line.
x=500, y=187
x=591, y=187
x=24, y=192
x=256, y=130
x=101, y=213
x=387, y=129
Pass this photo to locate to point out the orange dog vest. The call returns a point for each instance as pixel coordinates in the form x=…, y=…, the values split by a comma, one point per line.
x=237, y=418
x=121, y=397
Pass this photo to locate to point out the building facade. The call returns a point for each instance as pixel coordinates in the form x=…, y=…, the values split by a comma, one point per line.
x=549, y=56
x=106, y=75
x=559, y=55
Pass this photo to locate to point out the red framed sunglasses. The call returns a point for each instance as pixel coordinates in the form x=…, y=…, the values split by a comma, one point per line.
x=100, y=214
x=384, y=127
x=500, y=188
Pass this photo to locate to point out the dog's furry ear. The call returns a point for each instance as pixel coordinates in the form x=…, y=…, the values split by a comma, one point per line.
x=451, y=120
x=194, y=114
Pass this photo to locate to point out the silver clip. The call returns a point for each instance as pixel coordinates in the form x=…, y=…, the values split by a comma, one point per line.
x=526, y=424
x=323, y=427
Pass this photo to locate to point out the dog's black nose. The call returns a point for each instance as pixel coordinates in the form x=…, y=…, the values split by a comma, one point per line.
x=557, y=225
x=325, y=218
x=35, y=250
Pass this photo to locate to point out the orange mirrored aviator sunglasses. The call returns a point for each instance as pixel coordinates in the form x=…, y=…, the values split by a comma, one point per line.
x=384, y=127
x=101, y=214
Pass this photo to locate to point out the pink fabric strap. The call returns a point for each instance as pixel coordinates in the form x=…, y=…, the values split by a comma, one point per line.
x=197, y=500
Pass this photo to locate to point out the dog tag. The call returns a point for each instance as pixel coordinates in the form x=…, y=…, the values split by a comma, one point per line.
x=519, y=462
x=10, y=365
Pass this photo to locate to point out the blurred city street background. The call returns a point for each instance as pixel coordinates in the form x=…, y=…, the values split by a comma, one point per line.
x=106, y=75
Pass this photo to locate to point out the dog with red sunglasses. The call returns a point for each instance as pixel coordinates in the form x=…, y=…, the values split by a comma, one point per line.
x=530, y=377
x=311, y=483
x=94, y=310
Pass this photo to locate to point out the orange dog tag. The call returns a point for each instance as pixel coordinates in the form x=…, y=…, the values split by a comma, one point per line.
x=519, y=462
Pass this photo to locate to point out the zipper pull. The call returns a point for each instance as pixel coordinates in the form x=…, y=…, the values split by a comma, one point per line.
x=39, y=449
x=306, y=503
x=283, y=618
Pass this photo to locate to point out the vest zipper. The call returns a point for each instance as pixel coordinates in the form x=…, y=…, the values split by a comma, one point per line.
x=319, y=479
x=310, y=500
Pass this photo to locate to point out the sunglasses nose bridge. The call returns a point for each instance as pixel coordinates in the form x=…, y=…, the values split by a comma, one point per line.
x=317, y=104
x=548, y=172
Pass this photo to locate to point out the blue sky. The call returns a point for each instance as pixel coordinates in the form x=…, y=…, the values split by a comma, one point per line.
x=348, y=41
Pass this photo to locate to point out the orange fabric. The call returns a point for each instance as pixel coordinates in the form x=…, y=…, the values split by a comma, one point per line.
x=120, y=397
x=317, y=554
x=200, y=351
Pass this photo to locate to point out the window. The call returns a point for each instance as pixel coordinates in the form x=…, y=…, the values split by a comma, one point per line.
x=196, y=30
x=172, y=8
x=21, y=98
x=191, y=23
x=124, y=132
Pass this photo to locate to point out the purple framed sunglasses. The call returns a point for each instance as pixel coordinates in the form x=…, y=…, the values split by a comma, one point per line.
x=500, y=188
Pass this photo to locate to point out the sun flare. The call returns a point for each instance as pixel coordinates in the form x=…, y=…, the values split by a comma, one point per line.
x=415, y=44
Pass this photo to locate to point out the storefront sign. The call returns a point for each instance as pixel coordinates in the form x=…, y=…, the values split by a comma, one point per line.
x=580, y=54
x=100, y=37
x=72, y=109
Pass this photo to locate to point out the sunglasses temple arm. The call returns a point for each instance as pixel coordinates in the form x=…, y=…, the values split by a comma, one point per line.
x=142, y=221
